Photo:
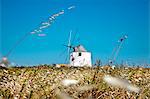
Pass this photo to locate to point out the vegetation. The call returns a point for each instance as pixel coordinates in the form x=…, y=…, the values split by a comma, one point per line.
x=44, y=82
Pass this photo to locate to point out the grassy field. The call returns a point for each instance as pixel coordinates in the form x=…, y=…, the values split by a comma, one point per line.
x=45, y=82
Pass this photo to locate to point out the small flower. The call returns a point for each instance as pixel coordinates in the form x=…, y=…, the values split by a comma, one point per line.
x=120, y=83
x=68, y=82
x=133, y=88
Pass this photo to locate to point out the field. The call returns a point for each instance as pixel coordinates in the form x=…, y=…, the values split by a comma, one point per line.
x=45, y=82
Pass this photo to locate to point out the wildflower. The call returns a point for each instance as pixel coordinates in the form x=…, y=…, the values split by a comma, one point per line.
x=133, y=88
x=120, y=83
x=68, y=82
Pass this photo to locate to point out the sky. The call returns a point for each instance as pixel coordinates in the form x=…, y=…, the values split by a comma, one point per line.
x=96, y=24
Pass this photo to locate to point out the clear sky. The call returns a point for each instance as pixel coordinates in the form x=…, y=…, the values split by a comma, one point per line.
x=98, y=24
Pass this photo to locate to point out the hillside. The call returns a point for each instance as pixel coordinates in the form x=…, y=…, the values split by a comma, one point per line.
x=45, y=82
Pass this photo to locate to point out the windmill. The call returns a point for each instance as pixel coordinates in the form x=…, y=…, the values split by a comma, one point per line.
x=77, y=55
x=117, y=49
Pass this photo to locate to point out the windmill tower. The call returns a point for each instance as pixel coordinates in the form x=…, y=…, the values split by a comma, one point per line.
x=78, y=55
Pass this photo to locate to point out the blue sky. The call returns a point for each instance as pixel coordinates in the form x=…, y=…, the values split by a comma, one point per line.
x=98, y=24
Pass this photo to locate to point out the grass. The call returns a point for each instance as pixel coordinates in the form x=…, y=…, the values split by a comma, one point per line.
x=44, y=82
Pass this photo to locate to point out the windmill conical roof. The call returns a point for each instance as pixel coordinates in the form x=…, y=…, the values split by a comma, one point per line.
x=79, y=48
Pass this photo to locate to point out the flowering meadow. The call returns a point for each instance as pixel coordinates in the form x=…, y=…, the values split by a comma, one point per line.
x=48, y=82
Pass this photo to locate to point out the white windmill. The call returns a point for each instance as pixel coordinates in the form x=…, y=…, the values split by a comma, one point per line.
x=117, y=49
x=78, y=55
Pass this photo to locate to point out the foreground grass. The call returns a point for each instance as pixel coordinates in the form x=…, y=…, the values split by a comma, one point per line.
x=46, y=82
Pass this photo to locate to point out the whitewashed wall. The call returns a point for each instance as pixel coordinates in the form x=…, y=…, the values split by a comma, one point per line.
x=83, y=60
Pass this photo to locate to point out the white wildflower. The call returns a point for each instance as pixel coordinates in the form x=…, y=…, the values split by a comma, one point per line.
x=68, y=82
x=120, y=83
x=133, y=88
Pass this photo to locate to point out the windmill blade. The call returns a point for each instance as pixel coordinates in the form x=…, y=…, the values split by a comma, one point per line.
x=66, y=59
x=69, y=42
x=62, y=53
x=117, y=49
x=117, y=52
x=120, y=45
x=112, y=54
x=74, y=37
x=69, y=47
